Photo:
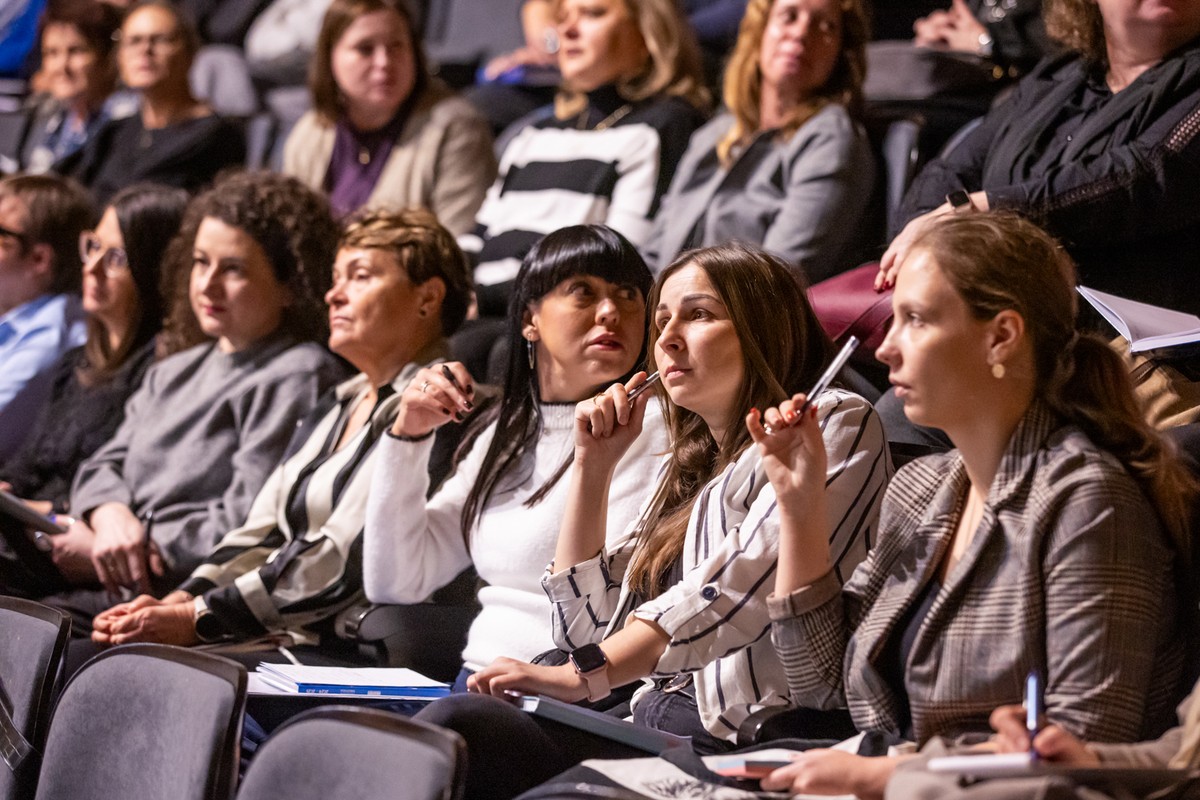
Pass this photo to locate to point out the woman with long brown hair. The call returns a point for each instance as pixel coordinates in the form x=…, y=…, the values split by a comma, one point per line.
x=682, y=596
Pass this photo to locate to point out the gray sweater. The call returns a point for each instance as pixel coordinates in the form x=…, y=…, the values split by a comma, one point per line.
x=199, y=439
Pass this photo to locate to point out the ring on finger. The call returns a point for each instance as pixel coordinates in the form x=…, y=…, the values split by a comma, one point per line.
x=424, y=386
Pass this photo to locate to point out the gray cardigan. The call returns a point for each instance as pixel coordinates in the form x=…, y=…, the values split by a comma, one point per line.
x=802, y=198
x=199, y=439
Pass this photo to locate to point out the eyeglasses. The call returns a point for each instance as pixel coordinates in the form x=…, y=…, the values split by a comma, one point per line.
x=114, y=259
x=155, y=41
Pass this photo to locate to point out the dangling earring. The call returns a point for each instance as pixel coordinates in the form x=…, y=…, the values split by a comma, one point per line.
x=997, y=370
x=531, y=353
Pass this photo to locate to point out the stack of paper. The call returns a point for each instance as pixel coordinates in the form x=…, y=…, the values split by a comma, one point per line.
x=402, y=684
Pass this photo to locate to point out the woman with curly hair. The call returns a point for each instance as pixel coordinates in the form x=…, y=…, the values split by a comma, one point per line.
x=211, y=421
x=786, y=166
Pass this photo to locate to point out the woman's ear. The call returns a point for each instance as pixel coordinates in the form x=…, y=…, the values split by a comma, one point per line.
x=529, y=328
x=430, y=295
x=1006, y=335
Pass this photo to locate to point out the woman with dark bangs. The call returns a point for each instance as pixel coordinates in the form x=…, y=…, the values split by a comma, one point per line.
x=576, y=324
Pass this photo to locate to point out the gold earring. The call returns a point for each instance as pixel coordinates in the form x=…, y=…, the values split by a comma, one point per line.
x=997, y=370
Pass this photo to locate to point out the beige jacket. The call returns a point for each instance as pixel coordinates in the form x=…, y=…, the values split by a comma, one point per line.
x=442, y=160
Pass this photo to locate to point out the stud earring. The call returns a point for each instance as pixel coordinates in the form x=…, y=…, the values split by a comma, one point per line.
x=998, y=370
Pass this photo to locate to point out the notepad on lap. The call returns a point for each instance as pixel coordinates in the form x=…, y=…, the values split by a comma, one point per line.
x=1139, y=780
x=366, y=681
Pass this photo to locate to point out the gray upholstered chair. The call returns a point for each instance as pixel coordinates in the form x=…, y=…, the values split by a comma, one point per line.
x=146, y=722
x=357, y=754
x=33, y=639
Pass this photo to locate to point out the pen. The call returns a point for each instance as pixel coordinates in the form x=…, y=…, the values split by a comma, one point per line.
x=821, y=385
x=454, y=382
x=646, y=384
x=1033, y=706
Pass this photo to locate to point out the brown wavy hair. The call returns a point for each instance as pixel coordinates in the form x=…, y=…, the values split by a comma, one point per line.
x=673, y=69
x=295, y=228
x=1077, y=24
x=743, y=77
x=1000, y=261
x=783, y=354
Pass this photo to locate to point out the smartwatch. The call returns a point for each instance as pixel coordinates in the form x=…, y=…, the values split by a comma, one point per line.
x=960, y=201
x=592, y=665
x=208, y=628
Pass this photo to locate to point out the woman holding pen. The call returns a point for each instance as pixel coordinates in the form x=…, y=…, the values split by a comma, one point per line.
x=576, y=324
x=681, y=598
x=1051, y=539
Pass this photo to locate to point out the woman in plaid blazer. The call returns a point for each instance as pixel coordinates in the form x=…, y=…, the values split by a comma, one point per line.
x=1051, y=539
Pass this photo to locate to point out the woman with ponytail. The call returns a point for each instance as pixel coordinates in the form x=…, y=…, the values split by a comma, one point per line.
x=1052, y=539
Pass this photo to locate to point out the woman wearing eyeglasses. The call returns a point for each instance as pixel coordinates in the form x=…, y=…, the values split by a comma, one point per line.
x=121, y=259
x=175, y=139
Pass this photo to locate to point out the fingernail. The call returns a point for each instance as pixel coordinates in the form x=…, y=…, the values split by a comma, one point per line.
x=446, y=411
x=468, y=404
x=470, y=390
x=458, y=415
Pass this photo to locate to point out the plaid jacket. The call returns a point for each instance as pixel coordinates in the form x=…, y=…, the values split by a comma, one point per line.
x=1069, y=572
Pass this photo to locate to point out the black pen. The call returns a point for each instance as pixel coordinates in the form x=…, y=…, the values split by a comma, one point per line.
x=449, y=375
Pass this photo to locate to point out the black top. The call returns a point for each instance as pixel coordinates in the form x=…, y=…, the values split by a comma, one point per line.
x=893, y=659
x=72, y=425
x=186, y=155
x=1115, y=176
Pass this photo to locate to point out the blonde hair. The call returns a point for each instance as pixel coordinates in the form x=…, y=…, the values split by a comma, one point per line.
x=743, y=76
x=674, y=67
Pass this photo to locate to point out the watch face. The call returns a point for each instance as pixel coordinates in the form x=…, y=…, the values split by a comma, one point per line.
x=588, y=658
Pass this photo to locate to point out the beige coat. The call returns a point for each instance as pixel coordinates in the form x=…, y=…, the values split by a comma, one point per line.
x=442, y=160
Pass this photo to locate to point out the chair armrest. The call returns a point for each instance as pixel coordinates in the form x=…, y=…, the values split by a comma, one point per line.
x=790, y=722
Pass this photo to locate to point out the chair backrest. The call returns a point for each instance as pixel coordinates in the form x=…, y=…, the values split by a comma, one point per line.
x=357, y=754
x=33, y=641
x=145, y=722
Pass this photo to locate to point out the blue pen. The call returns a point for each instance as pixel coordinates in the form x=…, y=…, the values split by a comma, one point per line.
x=1033, y=706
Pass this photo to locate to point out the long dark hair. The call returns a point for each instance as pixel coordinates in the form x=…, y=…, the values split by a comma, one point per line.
x=784, y=353
x=577, y=250
x=149, y=217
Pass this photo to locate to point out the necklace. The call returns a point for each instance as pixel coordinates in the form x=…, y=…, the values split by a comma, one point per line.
x=607, y=122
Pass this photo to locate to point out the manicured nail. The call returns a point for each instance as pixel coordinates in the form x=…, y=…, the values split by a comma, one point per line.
x=446, y=411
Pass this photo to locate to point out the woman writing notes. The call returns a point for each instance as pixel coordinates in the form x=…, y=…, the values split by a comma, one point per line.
x=1051, y=539
x=682, y=596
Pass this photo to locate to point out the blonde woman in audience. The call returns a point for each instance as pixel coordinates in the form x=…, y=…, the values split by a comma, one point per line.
x=1053, y=538
x=681, y=597
x=382, y=130
x=632, y=94
x=787, y=165
x=209, y=423
x=400, y=286
x=577, y=324
x=174, y=140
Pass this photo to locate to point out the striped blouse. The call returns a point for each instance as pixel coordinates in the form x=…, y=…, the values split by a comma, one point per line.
x=716, y=616
x=297, y=560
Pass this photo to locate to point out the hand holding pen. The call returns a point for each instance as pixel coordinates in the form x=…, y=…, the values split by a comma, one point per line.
x=436, y=395
x=605, y=425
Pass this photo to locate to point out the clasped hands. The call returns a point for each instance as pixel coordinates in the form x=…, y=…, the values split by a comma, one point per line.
x=148, y=619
